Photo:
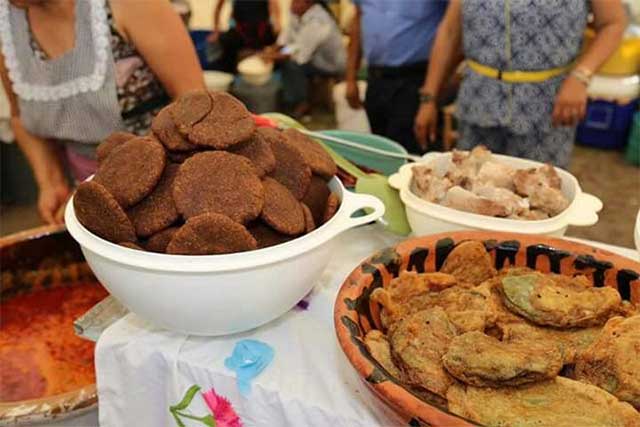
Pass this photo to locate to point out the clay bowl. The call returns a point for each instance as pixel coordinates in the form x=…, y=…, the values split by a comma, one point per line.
x=355, y=314
x=33, y=260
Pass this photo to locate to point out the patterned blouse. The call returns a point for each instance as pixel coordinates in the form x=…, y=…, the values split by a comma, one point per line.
x=525, y=35
x=140, y=94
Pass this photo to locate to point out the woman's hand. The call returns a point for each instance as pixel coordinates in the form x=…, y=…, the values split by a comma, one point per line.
x=426, y=124
x=571, y=103
x=51, y=201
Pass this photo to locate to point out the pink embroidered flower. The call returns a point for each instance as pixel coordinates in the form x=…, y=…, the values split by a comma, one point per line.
x=221, y=409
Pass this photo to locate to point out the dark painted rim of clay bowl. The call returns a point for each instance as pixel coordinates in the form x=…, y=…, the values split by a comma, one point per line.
x=51, y=408
x=355, y=315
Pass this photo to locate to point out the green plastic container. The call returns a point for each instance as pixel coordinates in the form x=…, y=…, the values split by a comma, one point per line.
x=384, y=165
x=633, y=147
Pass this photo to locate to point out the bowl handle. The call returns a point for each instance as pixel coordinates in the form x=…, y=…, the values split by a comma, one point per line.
x=402, y=178
x=585, y=211
x=352, y=203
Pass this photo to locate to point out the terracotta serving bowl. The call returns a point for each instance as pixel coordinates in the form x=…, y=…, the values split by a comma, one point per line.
x=355, y=314
x=43, y=258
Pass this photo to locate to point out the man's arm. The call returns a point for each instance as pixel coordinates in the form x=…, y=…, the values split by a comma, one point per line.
x=354, y=57
x=215, y=30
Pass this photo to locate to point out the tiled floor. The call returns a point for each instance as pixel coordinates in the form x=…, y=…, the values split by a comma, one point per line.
x=602, y=173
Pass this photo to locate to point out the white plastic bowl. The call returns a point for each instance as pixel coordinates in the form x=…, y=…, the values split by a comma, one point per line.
x=255, y=71
x=219, y=294
x=428, y=218
x=217, y=80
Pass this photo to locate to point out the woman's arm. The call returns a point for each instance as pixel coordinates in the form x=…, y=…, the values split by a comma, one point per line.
x=446, y=53
x=610, y=23
x=275, y=15
x=42, y=157
x=157, y=32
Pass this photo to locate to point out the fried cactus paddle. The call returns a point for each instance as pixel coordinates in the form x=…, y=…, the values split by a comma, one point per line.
x=418, y=343
x=559, y=303
x=560, y=402
x=481, y=360
x=612, y=362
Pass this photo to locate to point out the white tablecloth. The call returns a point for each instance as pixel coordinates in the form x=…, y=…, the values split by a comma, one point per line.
x=142, y=370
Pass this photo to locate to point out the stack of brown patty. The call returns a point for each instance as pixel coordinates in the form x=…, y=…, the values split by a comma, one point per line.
x=207, y=181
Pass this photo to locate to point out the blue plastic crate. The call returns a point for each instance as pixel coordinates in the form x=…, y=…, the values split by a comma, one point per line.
x=606, y=124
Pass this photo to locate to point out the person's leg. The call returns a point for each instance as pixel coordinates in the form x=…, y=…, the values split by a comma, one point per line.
x=294, y=83
x=231, y=43
x=375, y=102
x=401, y=109
x=553, y=145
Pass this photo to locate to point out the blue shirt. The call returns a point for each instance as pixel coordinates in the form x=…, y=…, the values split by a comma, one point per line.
x=399, y=32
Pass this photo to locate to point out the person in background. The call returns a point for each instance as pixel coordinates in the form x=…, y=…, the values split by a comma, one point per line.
x=257, y=24
x=525, y=86
x=77, y=71
x=183, y=9
x=312, y=45
x=396, y=37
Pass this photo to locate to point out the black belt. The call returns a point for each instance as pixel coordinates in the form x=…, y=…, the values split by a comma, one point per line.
x=384, y=71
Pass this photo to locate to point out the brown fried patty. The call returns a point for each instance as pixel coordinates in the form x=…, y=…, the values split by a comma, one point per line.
x=228, y=123
x=112, y=142
x=258, y=150
x=281, y=210
x=316, y=198
x=132, y=171
x=159, y=241
x=211, y=234
x=316, y=156
x=291, y=170
x=157, y=211
x=220, y=182
x=190, y=109
x=167, y=133
x=101, y=214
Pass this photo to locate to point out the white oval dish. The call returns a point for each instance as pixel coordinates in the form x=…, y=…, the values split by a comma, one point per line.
x=429, y=218
x=220, y=294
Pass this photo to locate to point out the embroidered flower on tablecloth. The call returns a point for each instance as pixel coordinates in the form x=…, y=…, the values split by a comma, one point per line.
x=221, y=409
x=222, y=413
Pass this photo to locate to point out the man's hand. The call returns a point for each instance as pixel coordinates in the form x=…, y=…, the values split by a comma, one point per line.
x=353, y=94
x=213, y=36
x=426, y=124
